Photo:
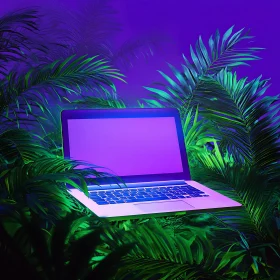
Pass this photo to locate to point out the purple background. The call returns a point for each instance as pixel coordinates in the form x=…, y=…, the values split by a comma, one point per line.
x=181, y=22
x=143, y=146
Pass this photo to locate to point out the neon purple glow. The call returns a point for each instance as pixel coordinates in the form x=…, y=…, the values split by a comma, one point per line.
x=127, y=146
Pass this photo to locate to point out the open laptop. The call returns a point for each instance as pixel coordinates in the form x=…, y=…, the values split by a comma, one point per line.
x=146, y=149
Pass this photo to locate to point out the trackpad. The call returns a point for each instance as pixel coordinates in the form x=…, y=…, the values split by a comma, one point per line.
x=164, y=206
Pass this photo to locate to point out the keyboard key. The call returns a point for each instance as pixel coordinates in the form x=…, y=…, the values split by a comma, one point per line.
x=195, y=195
x=120, y=201
x=110, y=196
x=131, y=200
x=142, y=193
x=184, y=192
x=99, y=202
x=94, y=196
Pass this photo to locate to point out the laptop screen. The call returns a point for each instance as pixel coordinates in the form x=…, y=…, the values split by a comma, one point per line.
x=127, y=146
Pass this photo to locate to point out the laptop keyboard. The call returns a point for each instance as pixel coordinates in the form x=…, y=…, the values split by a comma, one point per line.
x=125, y=195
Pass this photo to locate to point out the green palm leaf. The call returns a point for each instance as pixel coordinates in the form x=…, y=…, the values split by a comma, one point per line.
x=21, y=146
x=221, y=55
x=40, y=185
x=163, y=255
x=13, y=40
x=23, y=93
x=246, y=120
x=98, y=102
x=197, y=132
x=246, y=185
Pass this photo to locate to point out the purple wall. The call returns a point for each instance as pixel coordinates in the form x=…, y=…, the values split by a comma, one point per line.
x=182, y=21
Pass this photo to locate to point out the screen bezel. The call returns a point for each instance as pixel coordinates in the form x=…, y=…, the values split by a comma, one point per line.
x=130, y=113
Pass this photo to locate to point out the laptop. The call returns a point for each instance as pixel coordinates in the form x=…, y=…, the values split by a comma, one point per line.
x=145, y=148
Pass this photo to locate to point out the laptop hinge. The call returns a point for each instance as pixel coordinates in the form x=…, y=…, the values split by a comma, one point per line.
x=137, y=185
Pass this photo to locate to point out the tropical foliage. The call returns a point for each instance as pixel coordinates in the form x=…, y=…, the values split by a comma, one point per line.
x=232, y=139
x=30, y=174
x=68, y=250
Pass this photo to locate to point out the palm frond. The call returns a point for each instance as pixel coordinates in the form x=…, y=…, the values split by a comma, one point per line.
x=21, y=93
x=21, y=44
x=220, y=55
x=13, y=41
x=247, y=121
x=197, y=132
x=134, y=49
x=21, y=146
x=186, y=255
x=245, y=185
x=98, y=102
x=40, y=185
x=199, y=136
x=89, y=30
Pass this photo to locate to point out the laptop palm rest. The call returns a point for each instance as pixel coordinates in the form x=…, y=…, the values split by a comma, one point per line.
x=168, y=206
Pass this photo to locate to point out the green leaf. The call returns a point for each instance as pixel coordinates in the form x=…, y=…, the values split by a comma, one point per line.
x=225, y=37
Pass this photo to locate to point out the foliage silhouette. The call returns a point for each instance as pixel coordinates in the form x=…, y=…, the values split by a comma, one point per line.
x=57, y=254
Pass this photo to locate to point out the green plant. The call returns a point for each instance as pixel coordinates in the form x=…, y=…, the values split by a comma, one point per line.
x=186, y=92
x=30, y=173
x=40, y=185
x=193, y=249
x=27, y=92
x=66, y=251
x=232, y=139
